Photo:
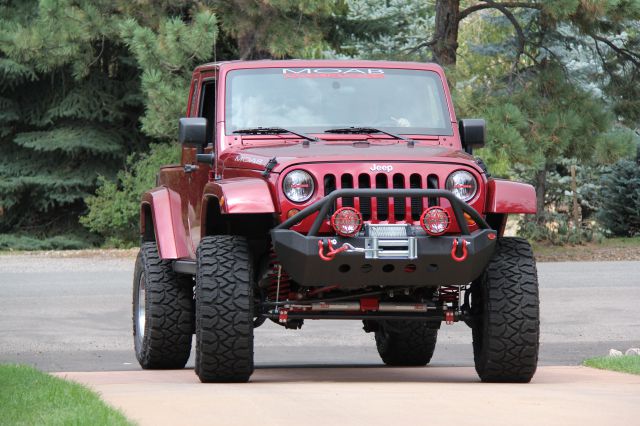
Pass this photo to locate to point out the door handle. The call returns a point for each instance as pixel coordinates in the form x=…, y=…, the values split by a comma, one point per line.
x=189, y=168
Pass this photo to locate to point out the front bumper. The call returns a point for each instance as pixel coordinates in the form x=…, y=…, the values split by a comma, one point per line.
x=425, y=261
x=433, y=264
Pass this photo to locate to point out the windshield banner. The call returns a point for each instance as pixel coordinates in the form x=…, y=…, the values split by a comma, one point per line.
x=333, y=73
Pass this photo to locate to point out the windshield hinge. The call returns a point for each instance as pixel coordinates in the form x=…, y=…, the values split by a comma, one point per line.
x=483, y=166
x=270, y=165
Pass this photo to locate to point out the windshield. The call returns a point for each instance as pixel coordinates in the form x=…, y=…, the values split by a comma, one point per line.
x=318, y=99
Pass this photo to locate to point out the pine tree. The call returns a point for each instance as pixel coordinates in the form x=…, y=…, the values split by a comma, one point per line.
x=70, y=105
x=166, y=58
x=620, y=197
x=278, y=28
x=76, y=77
x=387, y=30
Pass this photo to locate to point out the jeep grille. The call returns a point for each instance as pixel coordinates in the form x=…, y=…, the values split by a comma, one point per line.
x=391, y=209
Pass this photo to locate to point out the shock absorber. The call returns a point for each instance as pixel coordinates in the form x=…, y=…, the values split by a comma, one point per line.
x=279, y=281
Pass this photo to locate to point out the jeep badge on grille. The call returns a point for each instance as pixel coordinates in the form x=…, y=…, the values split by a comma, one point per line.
x=381, y=168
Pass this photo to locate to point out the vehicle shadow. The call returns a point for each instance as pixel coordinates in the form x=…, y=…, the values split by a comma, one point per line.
x=363, y=374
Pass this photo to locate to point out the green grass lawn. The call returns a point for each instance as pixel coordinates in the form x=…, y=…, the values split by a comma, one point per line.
x=30, y=397
x=624, y=364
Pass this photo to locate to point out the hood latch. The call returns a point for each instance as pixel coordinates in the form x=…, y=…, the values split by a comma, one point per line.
x=270, y=165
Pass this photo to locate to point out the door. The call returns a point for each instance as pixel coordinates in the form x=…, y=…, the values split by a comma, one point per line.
x=198, y=177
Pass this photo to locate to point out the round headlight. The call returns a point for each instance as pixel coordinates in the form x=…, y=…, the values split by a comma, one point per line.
x=462, y=184
x=298, y=186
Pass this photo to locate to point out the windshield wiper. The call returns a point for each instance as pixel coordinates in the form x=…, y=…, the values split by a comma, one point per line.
x=369, y=130
x=275, y=131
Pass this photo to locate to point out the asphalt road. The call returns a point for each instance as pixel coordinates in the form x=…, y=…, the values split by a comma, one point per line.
x=74, y=314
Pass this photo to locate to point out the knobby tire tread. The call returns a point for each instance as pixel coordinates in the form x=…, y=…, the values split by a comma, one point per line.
x=406, y=343
x=224, y=310
x=507, y=330
x=169, y=312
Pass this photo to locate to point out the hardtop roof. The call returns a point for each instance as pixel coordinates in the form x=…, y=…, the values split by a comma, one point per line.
x=317, y=63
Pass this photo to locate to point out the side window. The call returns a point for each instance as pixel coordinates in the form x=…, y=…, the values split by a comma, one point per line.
x=208, y=107
x=194, y=98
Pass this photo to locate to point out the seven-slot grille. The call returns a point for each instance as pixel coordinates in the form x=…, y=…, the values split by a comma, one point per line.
x=375, y=209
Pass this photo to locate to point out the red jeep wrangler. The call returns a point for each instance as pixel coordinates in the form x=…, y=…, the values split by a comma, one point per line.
x=331, y=190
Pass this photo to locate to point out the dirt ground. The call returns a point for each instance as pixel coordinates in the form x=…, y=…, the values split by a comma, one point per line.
x=587, y=252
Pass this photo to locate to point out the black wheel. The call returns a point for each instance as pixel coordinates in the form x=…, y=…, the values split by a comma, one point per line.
x=505, y=308
x=162, y=312
x=406, y=343
x=224, y=310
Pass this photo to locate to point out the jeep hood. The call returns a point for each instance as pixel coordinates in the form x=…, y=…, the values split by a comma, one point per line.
x=382, y=151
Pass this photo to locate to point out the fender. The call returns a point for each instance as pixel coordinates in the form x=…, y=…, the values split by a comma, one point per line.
x=240, y=195
x=504, y=196
x=165, y=207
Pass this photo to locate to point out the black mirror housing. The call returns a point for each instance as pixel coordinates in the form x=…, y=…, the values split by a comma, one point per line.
x=472, y=133
x=192, y=132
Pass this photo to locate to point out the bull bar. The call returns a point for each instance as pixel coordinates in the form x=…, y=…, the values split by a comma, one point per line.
x=432, y=261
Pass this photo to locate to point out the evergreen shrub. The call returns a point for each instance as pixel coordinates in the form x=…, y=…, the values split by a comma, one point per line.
x=31, y=243
x=620, y=199
x=113, y=211
x=556, y=229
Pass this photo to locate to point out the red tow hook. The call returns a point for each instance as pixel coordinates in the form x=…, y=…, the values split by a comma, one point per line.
x=331, y=254
x=464, y=243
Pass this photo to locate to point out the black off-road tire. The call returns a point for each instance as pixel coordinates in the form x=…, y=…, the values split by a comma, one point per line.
x=506, y=312
x=406, y=343
x=224, y=310
x=168, y=306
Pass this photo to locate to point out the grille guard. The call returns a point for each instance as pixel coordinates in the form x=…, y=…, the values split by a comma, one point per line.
x=323, y=205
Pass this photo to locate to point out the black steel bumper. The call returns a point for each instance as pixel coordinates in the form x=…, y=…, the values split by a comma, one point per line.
x=428, y=261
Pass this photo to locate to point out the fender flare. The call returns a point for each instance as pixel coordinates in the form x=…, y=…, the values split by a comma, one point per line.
x=235, y=197
x=507, y=197
x=240, y=195
x=165, y=207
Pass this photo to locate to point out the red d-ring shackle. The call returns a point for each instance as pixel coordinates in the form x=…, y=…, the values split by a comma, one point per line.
x=454, y=249
x=332, y=251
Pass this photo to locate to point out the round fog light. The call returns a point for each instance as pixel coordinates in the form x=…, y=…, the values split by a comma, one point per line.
x=346, y=221
x=435, y=221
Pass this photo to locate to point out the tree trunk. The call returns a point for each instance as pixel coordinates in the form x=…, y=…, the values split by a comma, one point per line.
x=246, y=45
x=574, y=197
x=541, y=189
x=446, y=33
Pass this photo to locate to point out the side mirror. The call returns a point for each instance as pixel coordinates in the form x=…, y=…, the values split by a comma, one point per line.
x=472, y=133
x=192, y=132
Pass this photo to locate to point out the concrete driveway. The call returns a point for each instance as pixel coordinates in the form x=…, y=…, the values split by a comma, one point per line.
x=371, y=396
